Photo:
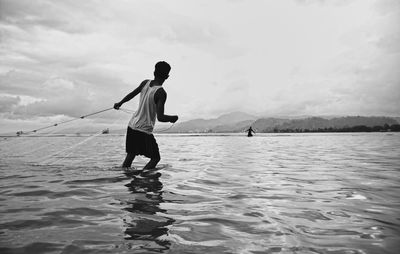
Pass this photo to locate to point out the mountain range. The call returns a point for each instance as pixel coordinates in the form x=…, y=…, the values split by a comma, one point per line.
x=239, y=122
x=232, y=122
x=236, y=122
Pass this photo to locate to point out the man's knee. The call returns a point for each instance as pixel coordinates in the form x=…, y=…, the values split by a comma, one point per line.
x=156, y=158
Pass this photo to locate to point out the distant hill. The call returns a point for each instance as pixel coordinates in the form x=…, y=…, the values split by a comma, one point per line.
x=236, y=122
x=233, y=127
x=226, y=122
x=239, y=122
x=314, y=123
x=268, y=124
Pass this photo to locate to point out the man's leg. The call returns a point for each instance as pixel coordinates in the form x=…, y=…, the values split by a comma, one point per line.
x=152, y=163
x=154, y=155
x=128, y=160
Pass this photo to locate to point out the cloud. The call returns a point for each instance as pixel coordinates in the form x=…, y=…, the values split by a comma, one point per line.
x=71, y=29
x=7, y=103
x=70, y=105
x=22, y=83
x=68, y=58
x=322, y=2
x=390, y=42
x=51, y=97
x=30, y=15
x=387, y=28
x=104, y=47
x=385, y=7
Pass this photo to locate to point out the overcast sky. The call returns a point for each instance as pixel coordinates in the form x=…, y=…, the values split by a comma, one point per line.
x=66, y=58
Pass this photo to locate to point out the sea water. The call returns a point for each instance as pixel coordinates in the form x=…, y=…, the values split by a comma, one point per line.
x=271, y=193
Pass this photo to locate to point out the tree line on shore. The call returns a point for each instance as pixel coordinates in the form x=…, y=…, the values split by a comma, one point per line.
x=358, y=128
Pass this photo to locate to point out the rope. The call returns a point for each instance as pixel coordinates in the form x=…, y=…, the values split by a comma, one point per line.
x=49, y=157
x=63, y=122
x=129, y=111
x=163, y=130
x=36, y=148
x=24, y=139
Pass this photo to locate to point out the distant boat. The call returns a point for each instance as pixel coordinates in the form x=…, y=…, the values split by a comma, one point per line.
x=105, y=131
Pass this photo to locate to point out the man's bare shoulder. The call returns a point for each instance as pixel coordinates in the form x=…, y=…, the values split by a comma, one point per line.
x=160, y=94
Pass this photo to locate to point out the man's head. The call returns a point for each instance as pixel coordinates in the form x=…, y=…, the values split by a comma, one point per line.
x=161, y=70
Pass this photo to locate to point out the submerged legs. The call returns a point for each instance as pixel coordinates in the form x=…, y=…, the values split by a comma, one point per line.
x=152, y=163
x=130, y=157
x=128, y=160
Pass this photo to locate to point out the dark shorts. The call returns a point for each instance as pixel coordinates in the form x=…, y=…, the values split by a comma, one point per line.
x=140, y=143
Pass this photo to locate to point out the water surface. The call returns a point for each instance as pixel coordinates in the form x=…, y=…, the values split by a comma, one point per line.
x=298, y=193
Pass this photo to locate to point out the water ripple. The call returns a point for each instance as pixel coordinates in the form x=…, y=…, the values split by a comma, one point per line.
x=316, y=193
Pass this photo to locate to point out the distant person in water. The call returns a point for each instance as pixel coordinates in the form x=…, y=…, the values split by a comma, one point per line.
x=249, y=132
x=139, y=136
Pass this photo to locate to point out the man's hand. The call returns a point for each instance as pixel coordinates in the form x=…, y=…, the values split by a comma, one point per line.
x=174, y=119
x=117, y=105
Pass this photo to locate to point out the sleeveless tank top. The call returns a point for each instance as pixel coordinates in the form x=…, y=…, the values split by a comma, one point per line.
x=145, y=117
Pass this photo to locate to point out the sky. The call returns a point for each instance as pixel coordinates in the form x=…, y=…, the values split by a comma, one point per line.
x=66, y=58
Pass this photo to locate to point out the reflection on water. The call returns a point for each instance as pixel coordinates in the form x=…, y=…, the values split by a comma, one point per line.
x=146, y=224
x=300, y=193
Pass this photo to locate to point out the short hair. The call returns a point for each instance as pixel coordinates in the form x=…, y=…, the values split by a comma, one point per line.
x=162, y=69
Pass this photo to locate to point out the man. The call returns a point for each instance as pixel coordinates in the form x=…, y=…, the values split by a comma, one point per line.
x=249, y=132
x=139, y=137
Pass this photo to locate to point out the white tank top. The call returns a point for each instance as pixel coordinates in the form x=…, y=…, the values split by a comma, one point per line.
x=145, y=117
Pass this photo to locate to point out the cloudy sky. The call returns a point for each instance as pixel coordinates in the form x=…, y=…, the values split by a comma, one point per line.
x=66, y=58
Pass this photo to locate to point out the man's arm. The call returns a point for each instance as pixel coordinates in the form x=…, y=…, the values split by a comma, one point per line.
x=130, y=96
x=160, y=98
